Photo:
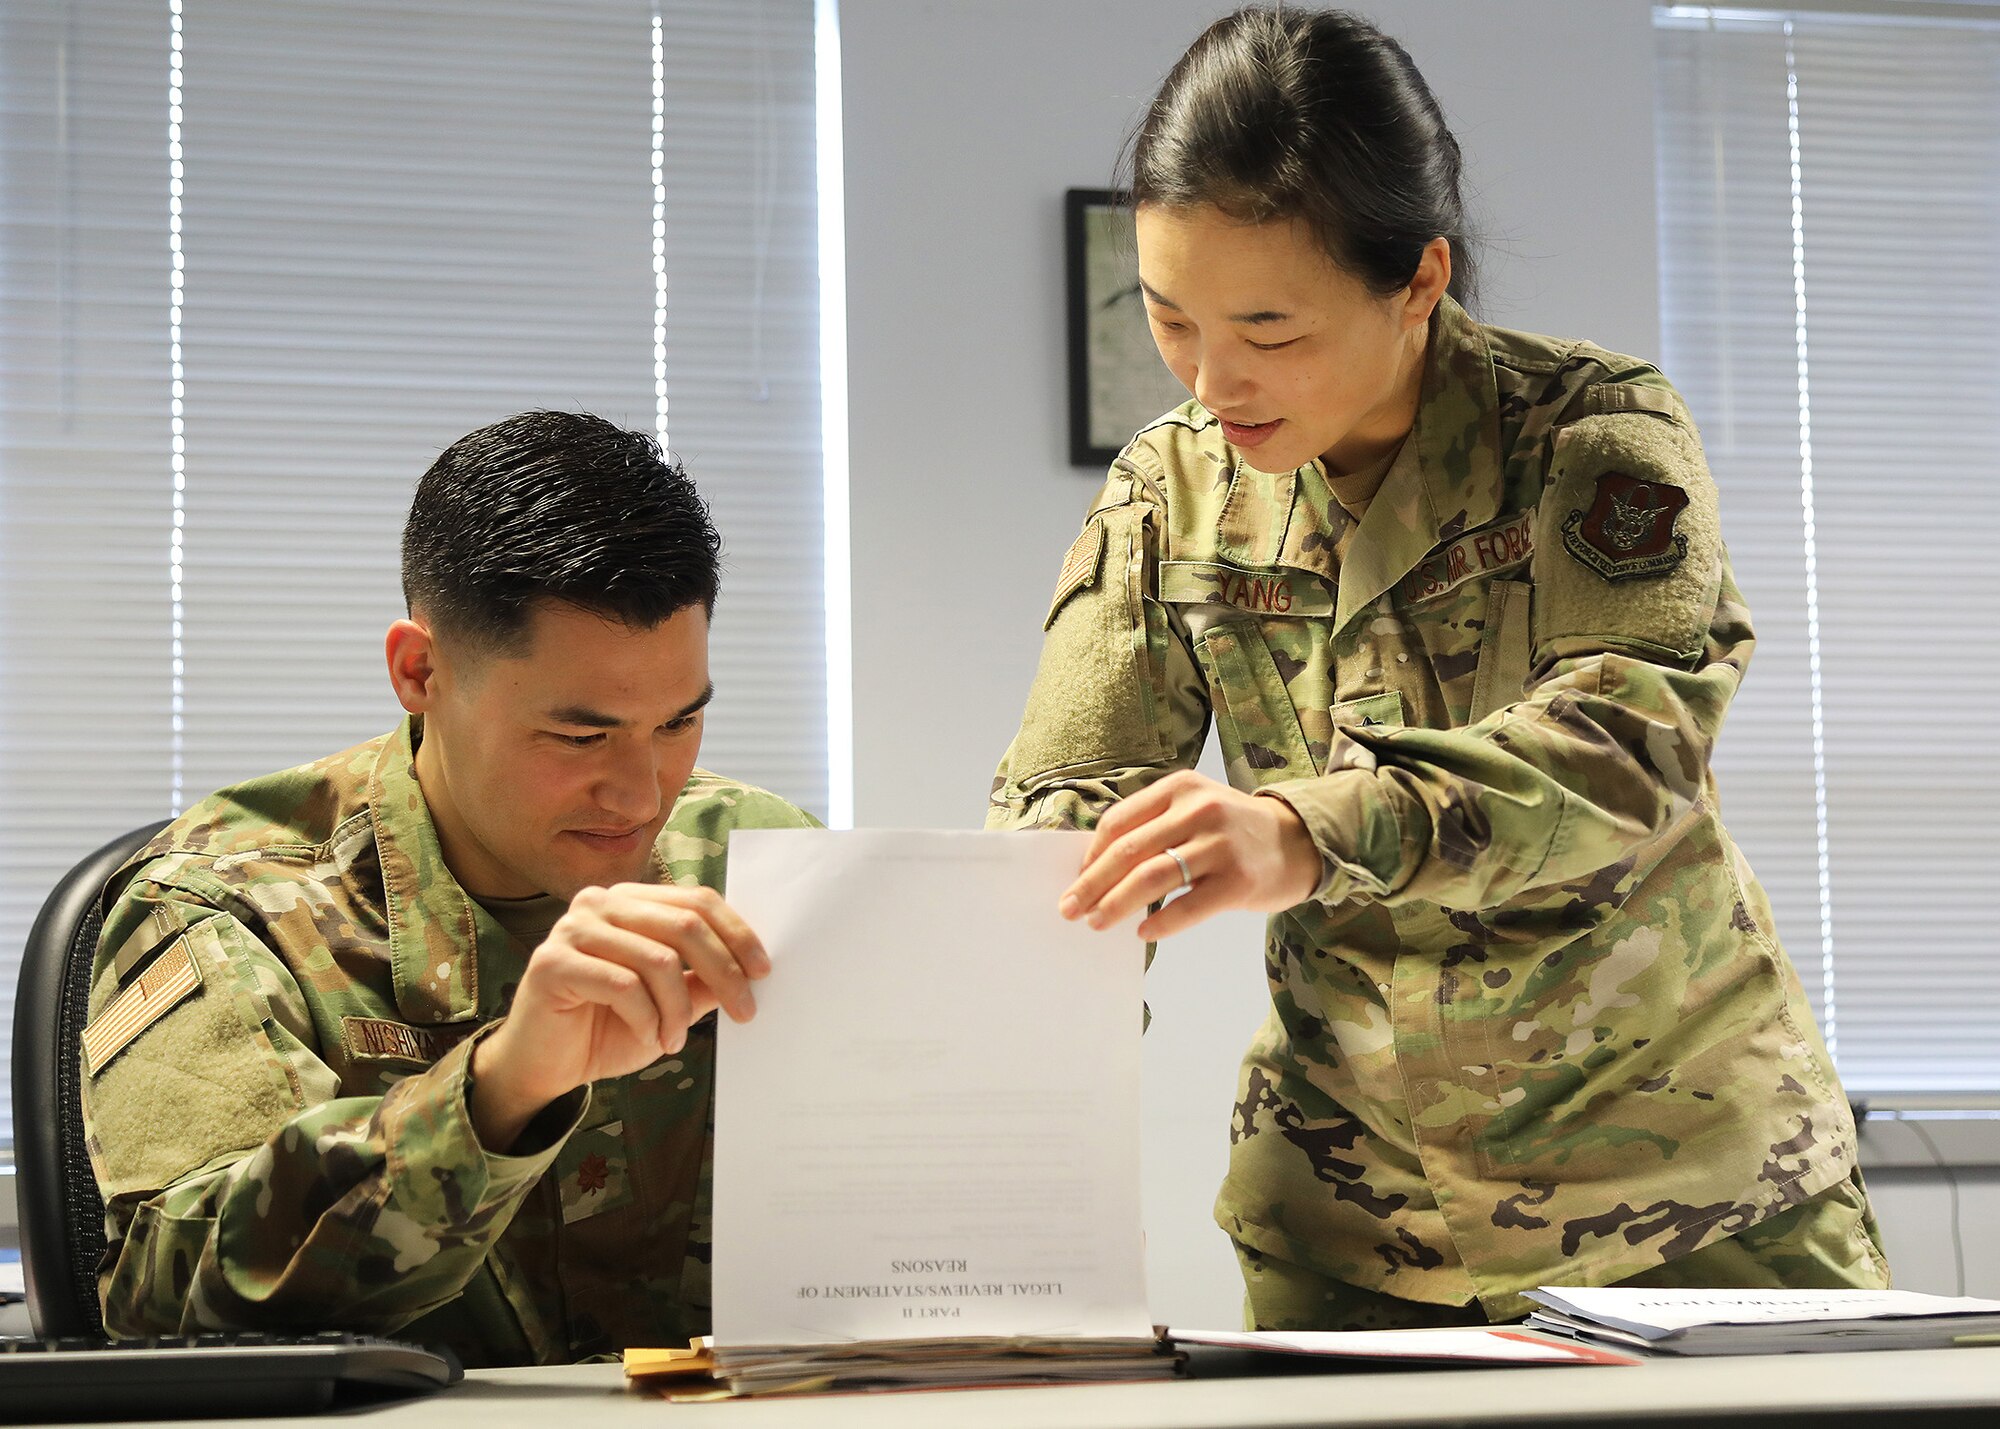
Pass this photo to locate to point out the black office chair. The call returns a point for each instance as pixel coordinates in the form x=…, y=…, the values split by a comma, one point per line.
x=62, y=1216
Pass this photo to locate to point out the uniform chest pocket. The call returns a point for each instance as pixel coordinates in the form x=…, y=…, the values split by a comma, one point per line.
x=594, y=1171
x=1255, y=719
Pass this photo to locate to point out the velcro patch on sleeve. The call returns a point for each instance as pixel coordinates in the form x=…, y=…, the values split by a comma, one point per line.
x=172, y=977
x=1092, y=702
x=1079, y=568
x=1631, y=549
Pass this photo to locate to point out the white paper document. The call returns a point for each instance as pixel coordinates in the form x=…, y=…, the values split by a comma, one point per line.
x=931, y=1127
x=1488, y=1344
x=1655, y=1314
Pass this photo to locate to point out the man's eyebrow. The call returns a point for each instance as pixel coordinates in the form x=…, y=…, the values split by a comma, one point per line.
x=589, y=718
x=698, y=702
x=1261, y=316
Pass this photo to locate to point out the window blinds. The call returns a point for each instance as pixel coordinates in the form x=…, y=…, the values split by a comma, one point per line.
x=1830, y=233
x=399, y=221
x=86, y=497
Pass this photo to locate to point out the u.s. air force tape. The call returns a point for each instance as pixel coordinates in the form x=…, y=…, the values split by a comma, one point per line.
x=171, y=978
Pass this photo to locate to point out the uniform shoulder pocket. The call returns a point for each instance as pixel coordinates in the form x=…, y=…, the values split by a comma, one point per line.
x=187, y=1072
x=1629, y=551
x=1093, y=699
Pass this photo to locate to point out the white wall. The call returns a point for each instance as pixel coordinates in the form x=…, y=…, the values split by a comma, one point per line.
x=965, y=121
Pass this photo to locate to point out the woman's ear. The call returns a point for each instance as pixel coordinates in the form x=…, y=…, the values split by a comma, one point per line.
x=1428, y=284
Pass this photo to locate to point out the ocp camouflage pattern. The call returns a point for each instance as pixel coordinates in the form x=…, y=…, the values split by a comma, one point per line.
x=289, y=1148
x=1536, y=1024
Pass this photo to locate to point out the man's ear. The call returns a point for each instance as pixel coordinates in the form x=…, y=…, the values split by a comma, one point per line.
x=413, y=664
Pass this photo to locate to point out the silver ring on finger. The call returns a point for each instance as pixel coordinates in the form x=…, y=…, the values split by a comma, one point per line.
x=1187, y=878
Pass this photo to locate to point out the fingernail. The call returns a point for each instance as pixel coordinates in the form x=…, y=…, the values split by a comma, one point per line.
x=1068, y=905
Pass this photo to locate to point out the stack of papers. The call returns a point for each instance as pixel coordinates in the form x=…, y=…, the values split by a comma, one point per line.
x=1761, y=1322
x=927, y=1141
x=939, y=1364
x=1481, y=1345
x=693, y=1375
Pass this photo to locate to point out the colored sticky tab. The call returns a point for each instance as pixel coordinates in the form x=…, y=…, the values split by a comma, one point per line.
x=171, y=978
x=697, y=1358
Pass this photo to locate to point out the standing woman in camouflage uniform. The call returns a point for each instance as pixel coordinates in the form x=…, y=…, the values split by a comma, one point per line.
x=1457, y=602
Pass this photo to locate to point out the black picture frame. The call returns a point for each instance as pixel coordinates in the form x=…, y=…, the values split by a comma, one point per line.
x=1117, y=383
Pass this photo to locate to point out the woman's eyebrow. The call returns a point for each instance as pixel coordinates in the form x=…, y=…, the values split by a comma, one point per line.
x=1262, y=315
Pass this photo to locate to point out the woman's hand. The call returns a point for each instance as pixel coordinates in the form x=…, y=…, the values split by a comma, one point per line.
x=1239, y=851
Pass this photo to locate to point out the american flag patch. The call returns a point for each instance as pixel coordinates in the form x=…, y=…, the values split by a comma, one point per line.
x=1079, y=567
x=170, y=979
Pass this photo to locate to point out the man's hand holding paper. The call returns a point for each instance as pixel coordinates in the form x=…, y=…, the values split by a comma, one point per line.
x=614, y=987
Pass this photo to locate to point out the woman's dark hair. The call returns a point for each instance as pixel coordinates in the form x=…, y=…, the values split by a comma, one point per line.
x=557, y=506
x=1314, y=115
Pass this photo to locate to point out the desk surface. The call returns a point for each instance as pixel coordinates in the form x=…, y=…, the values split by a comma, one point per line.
x=1826, y=1391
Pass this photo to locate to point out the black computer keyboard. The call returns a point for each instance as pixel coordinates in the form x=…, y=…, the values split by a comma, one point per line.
x=206, y=1376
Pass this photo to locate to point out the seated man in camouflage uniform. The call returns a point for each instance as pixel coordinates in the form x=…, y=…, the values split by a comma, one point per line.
x=417, y=1039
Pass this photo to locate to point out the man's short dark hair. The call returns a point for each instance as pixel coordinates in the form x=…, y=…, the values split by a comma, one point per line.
x=557, y=506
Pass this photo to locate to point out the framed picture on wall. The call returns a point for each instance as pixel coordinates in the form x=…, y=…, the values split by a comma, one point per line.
x=1117, y=383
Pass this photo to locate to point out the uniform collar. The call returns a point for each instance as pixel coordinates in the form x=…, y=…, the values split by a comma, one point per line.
x=1446, y=479
x=438, y=937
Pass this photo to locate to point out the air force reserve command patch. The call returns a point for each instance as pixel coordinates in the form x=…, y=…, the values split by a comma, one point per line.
x=1628, y=531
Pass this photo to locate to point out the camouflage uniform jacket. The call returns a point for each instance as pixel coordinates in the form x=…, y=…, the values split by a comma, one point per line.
x=286, y=996
x=1535, y=1024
